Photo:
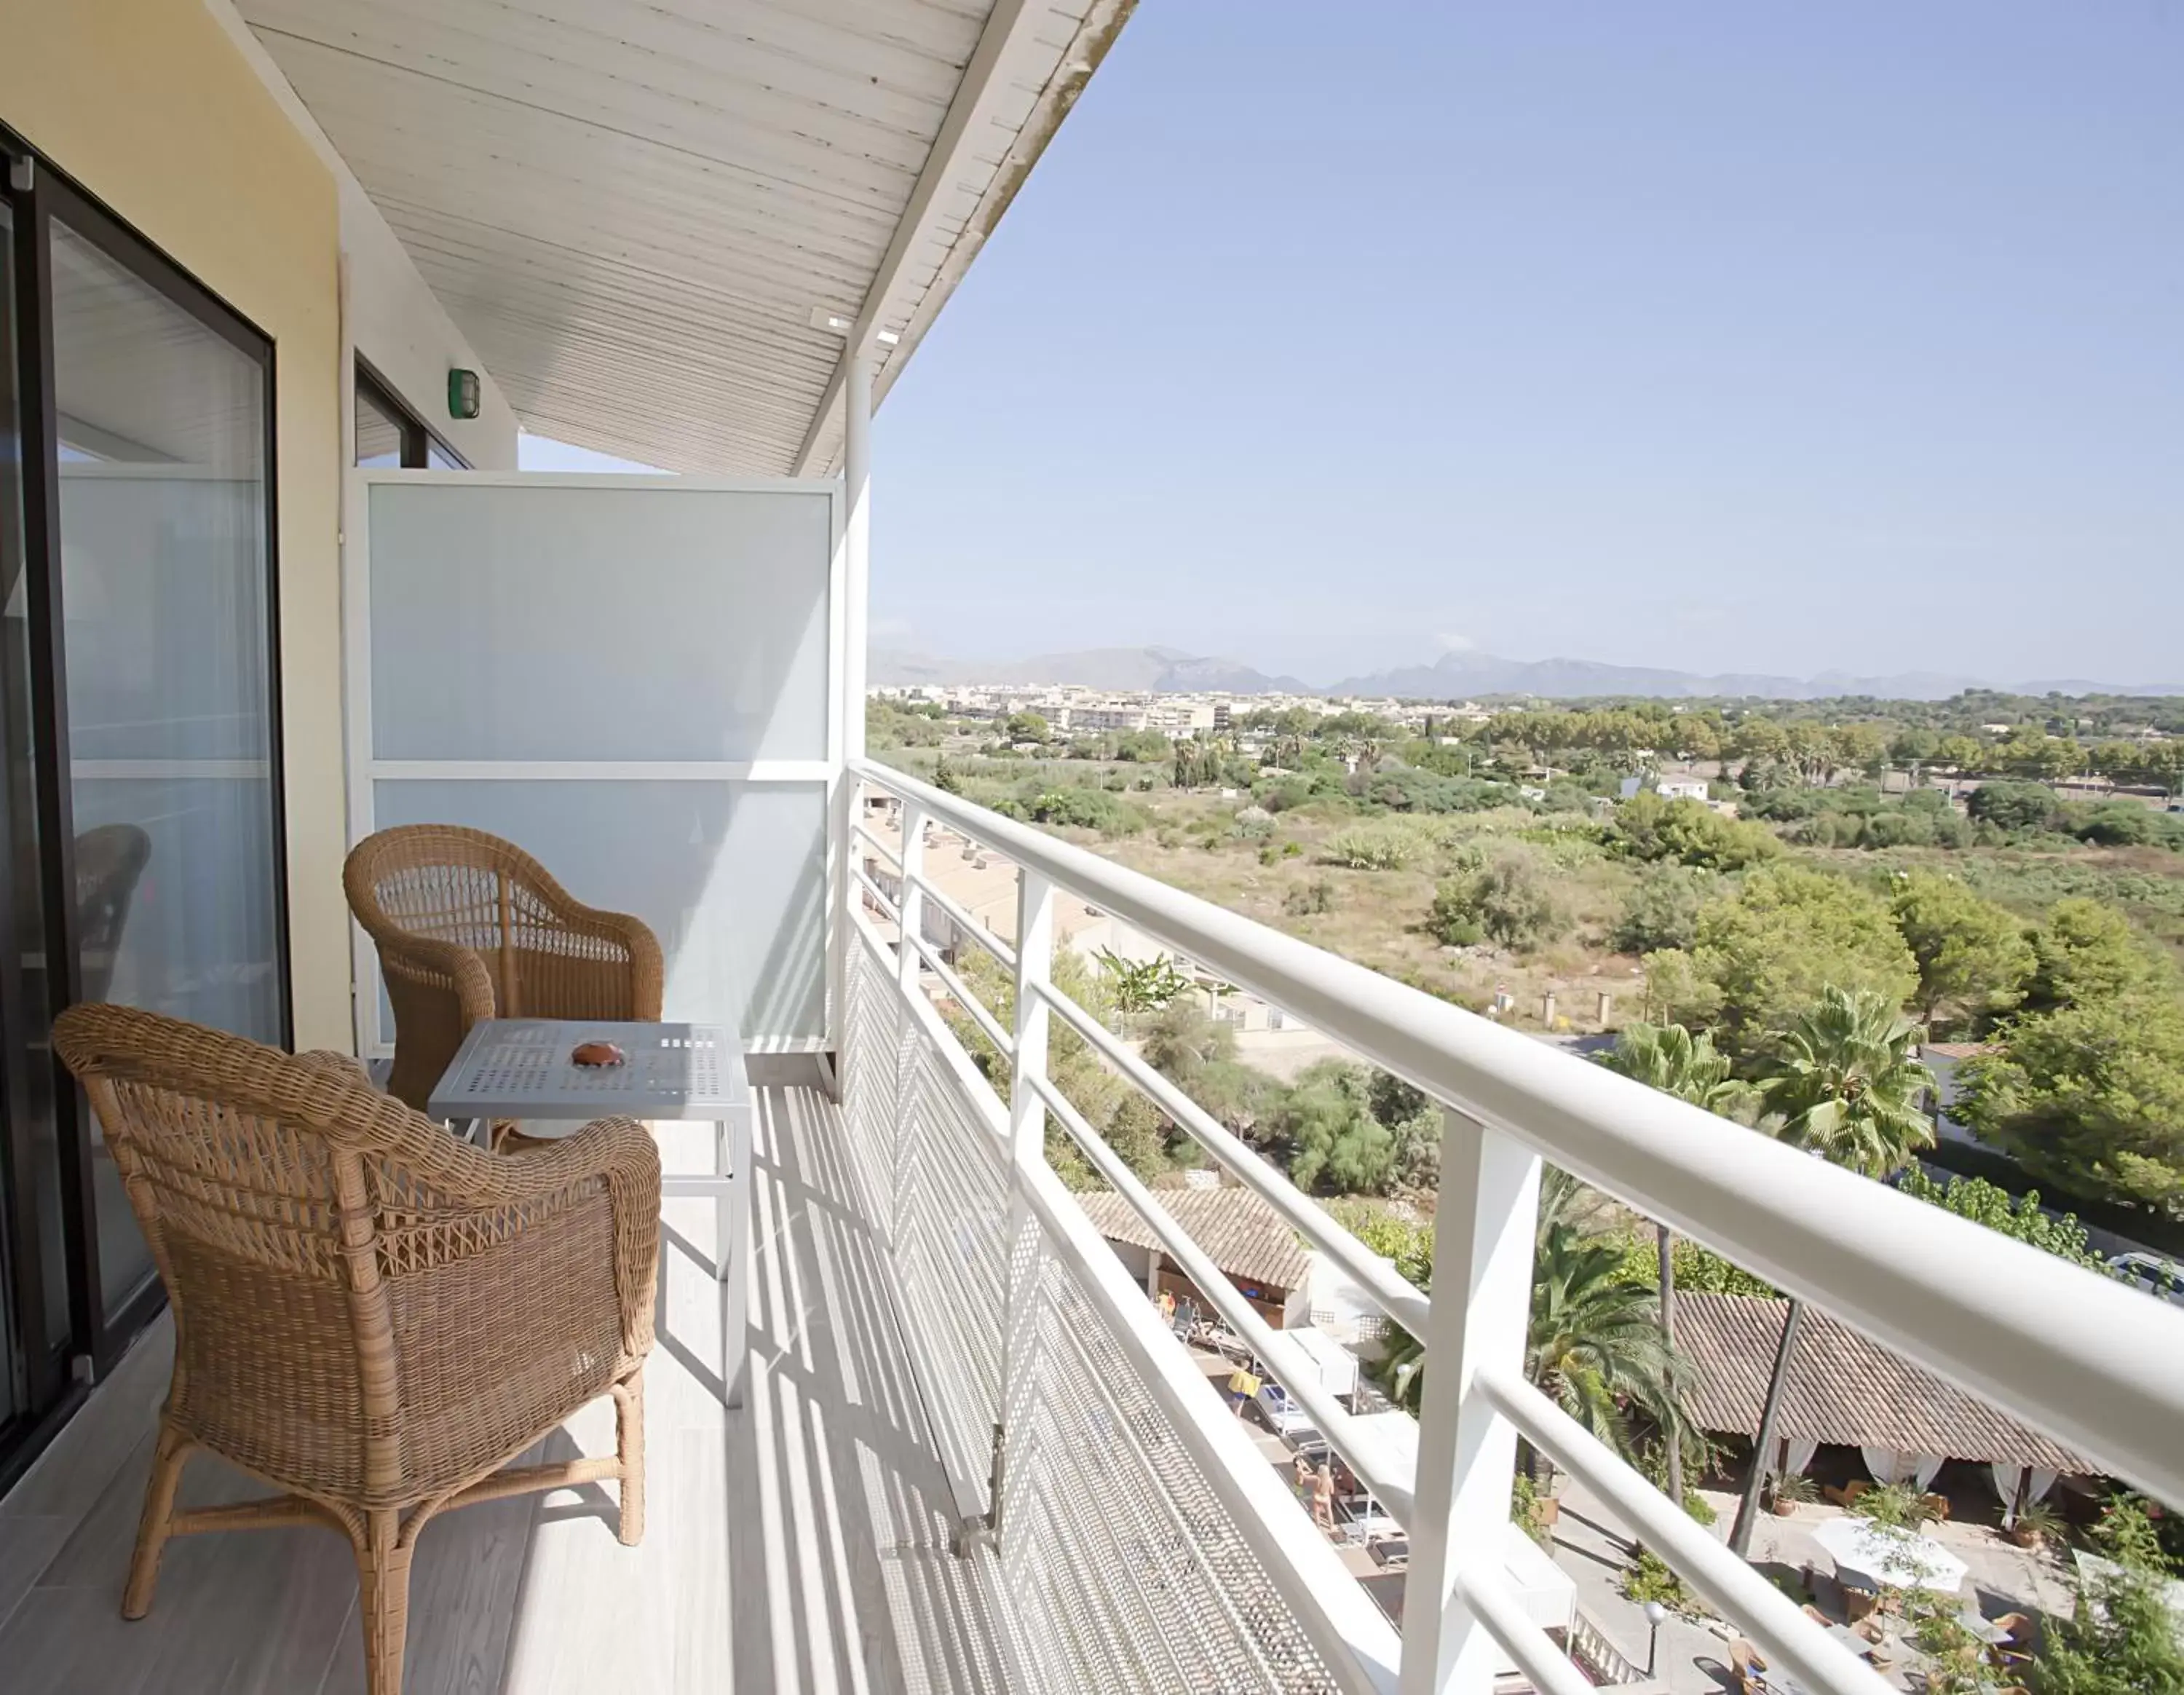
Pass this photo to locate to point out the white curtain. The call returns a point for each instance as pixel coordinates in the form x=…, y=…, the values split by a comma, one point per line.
x=2007, y=1479
x=1886, y=1464
x=1797, y=1456
x=1923, y=1466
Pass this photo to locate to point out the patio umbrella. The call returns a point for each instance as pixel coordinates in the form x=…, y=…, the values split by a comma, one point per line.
x=1870, y=1556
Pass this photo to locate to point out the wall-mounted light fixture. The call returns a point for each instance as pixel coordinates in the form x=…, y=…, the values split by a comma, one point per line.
x=462, y=394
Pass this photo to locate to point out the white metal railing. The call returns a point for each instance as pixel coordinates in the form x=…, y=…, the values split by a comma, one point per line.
x=1973, y=1307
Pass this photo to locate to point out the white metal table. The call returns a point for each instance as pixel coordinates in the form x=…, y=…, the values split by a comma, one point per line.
x=521, y=1069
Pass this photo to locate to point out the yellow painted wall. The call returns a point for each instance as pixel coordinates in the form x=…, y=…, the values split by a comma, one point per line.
x=149, y=106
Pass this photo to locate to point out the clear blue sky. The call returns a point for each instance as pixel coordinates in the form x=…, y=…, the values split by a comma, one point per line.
x=1785, y=337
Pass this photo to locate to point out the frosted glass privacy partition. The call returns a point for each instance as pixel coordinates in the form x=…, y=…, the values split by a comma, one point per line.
x=633, y=679
x=553, y=622
x=731, y=877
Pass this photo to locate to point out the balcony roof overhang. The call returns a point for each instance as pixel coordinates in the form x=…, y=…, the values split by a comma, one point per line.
x=634, y=211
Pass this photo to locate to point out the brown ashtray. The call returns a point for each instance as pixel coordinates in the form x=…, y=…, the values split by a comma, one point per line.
x=597, y=1053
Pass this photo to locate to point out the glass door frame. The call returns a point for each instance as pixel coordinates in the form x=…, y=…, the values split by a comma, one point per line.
x=62, y=1368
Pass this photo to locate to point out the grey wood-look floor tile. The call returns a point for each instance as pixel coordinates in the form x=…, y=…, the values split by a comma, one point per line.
x=72, y=1473
x=27, y=1547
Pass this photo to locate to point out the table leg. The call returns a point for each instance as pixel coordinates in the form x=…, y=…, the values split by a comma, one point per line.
x=733, y=1250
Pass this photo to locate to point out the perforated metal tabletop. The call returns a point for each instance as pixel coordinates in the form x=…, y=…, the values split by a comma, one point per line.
x=521, y=1069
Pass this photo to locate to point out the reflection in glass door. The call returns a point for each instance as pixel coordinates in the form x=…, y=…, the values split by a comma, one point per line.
x=162, y=429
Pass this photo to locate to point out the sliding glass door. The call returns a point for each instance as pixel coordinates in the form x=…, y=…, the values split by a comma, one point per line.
x=162, y=554
x=140, y=809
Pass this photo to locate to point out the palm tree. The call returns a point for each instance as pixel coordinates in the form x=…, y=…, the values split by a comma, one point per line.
x=1671, y=1058
x=1594, y=1344
x=1847, y=1086
x=1849, y=1091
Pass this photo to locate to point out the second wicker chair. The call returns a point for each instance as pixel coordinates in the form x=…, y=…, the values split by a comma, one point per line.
x=471, y=926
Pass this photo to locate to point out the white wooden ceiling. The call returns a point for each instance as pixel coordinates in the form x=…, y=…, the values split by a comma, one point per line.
x=631, y=208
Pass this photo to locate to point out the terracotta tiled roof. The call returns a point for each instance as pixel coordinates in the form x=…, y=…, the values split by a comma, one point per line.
x=1957, y=1050
x=1843, y=1388
x=1240, y=1233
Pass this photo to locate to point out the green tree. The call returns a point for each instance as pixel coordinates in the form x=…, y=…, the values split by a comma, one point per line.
x=2013, y=807
x=1972, y=955
x=1142, y=985
x=1180, y=1041
x=1024, y=726
x=2085, y=955
x=1594, y=1344
x=1962, y=755
x=2089, y=1098
x=2121, y=1639
x=1847, y=1083
x=2021, y=1219
x=1763, y=957
x=1510, y=900
x=1648, y=827
x=1334, y=1139
x=1669, y=1058
x=1662, y=910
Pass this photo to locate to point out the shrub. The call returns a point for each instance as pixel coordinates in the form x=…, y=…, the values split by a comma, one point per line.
x=1510, y=900
x=1648, y=827
x=1663, y=909
x=1085, y=809
x=1309, y=898
x=1379, y=844
x=1251, y=824
x=2116, y=823
x=1651, y=1578
x=2013, y=806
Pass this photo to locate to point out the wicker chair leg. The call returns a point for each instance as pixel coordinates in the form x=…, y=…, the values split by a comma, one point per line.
x=629, y=1449
x=157, y=1524
x=382, y=1570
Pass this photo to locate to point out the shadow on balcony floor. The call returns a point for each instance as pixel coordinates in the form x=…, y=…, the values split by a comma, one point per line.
x=799, y=1542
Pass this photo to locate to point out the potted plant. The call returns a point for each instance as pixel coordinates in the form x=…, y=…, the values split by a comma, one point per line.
x=1787, y=1489
x=2038, y=1524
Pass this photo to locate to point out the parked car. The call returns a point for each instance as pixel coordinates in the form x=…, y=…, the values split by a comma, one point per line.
x=2163, y=1279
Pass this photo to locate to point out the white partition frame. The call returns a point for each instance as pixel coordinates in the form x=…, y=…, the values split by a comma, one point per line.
x=366, y=770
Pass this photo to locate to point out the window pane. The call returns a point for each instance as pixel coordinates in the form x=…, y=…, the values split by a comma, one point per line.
x=164, y=581
x=438, y=458
x=378, y=432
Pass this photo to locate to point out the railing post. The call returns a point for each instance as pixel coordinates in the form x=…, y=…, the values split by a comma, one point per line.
x=1026, y=1145
x=1483, y=1227
x=910, y=906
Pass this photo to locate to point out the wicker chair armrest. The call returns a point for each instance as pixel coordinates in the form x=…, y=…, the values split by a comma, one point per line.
x=456, y=967
x=347, y=1067
x=648, y=971
x=619, y=1150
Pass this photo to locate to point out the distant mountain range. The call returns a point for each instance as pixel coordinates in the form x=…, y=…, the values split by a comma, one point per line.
x=1453, y=677
x=1124, y=670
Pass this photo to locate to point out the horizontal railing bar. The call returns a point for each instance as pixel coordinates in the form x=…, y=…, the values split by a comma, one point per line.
x=1292, y=1367
x=986, y=1022
x=1488, y=1595
x=859, y=874
x=966, y=923
x=1966, y=1302
x=1793, y=1641
x=1394, y=1294
x=892, y=854
x=1346, y=1627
